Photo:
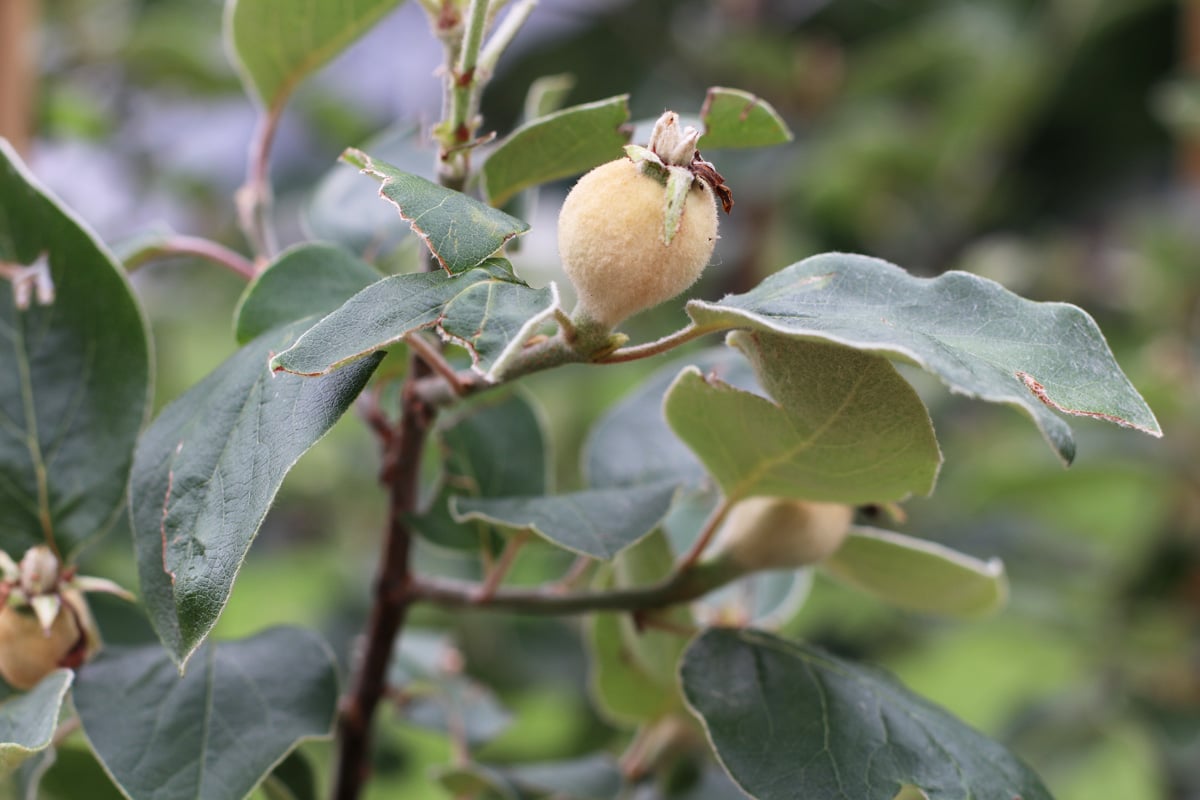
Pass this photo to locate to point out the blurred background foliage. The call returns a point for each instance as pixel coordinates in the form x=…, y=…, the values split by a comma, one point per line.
x=1052, y=145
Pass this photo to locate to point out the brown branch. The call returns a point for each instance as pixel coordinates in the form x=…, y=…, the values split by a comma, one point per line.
x=18, y=70
x=192, y=246
x=393, y=592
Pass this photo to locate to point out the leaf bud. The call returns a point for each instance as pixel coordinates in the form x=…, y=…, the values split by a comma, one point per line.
x=779, y=533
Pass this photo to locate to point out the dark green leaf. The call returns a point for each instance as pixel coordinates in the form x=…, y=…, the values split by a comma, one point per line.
x=918, y=575
x=460, y=231
x=487, y=310
x=595, y=522
x=307, y=279
x=292, y=779
x=788, y=720
x=494, y=447
x=342, y=211
x=591, y=778
x=632, y=445
x=979, y=338
x=207, y=470
x=276, y=44
x=75, y=773
x=74, y=375
x=215, y=732
x=555, y=146
x=848, y=428
x=733, y=118
x=27, y=721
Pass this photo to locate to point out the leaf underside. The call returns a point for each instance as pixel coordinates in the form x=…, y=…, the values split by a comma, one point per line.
x=788, y=720
x=976, y=336
x=28, y=721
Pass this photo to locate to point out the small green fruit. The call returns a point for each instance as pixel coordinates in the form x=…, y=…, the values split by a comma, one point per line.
x=778, y=533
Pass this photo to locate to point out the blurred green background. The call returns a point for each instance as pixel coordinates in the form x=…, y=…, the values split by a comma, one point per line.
x=1053, y=146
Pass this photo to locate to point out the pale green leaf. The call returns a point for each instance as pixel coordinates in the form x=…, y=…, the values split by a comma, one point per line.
x=215, y=732
x=557, y=145
x=788, y=720
x=632, y=675
x=918, y=575
x=27, y=721
x=305, y=280
x=734, y=118
x=460, y=231
x=632, y=444
x=594, y=522
x=848, y=428
x=487, y=310
x=979, y=338
x=276, y=43
x=74, y=374
x=206, y=471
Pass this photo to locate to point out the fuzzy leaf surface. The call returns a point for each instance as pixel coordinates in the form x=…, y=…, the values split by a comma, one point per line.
x=74, y=375
x=307, y=279
x=206, y=471
x=847, y=428
x=557, y=145
x=215, y=732
x=789, y=720
x=918, y=575
x=275, y=44
x=460, y=231
x=979, y=338
x=594, y=522
x=734, y=118
x=27, y=721
x=488, y=310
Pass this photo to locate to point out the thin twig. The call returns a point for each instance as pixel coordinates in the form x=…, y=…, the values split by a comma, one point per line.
x=206, y=249
x=254, y=199
x=499, y=570
x=437, y=362
x=503, y=36
x=711, y=526
x=578, y=569
x=681, y=336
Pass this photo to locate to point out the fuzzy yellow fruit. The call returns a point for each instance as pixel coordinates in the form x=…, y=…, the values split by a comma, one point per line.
x=778, y=533
x=611, y=242
x=28, y=653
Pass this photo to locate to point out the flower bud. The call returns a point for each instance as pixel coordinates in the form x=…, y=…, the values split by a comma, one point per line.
x=777, y=533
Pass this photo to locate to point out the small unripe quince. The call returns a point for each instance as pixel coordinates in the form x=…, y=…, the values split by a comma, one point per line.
x=637, y=231
x=28, y=652
x=779, y=533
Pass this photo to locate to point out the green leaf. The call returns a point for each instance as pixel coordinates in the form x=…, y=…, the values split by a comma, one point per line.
x=788, y=720
x=460, y=231
x=733, y=118
x=206, y=471
x=27, y=721
x=275, y=44
x=980, y=339
x=486, y=310
x=341, y=211
x=495, y=447
x=848, y=428
x=292, y=779
x=305, y=280
x=590, y=778
x=633, y=672
x=632, y=445
x=594, y=522
x=215, y=732
x=74, y=374
x=919, y=575
x=555, y=146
